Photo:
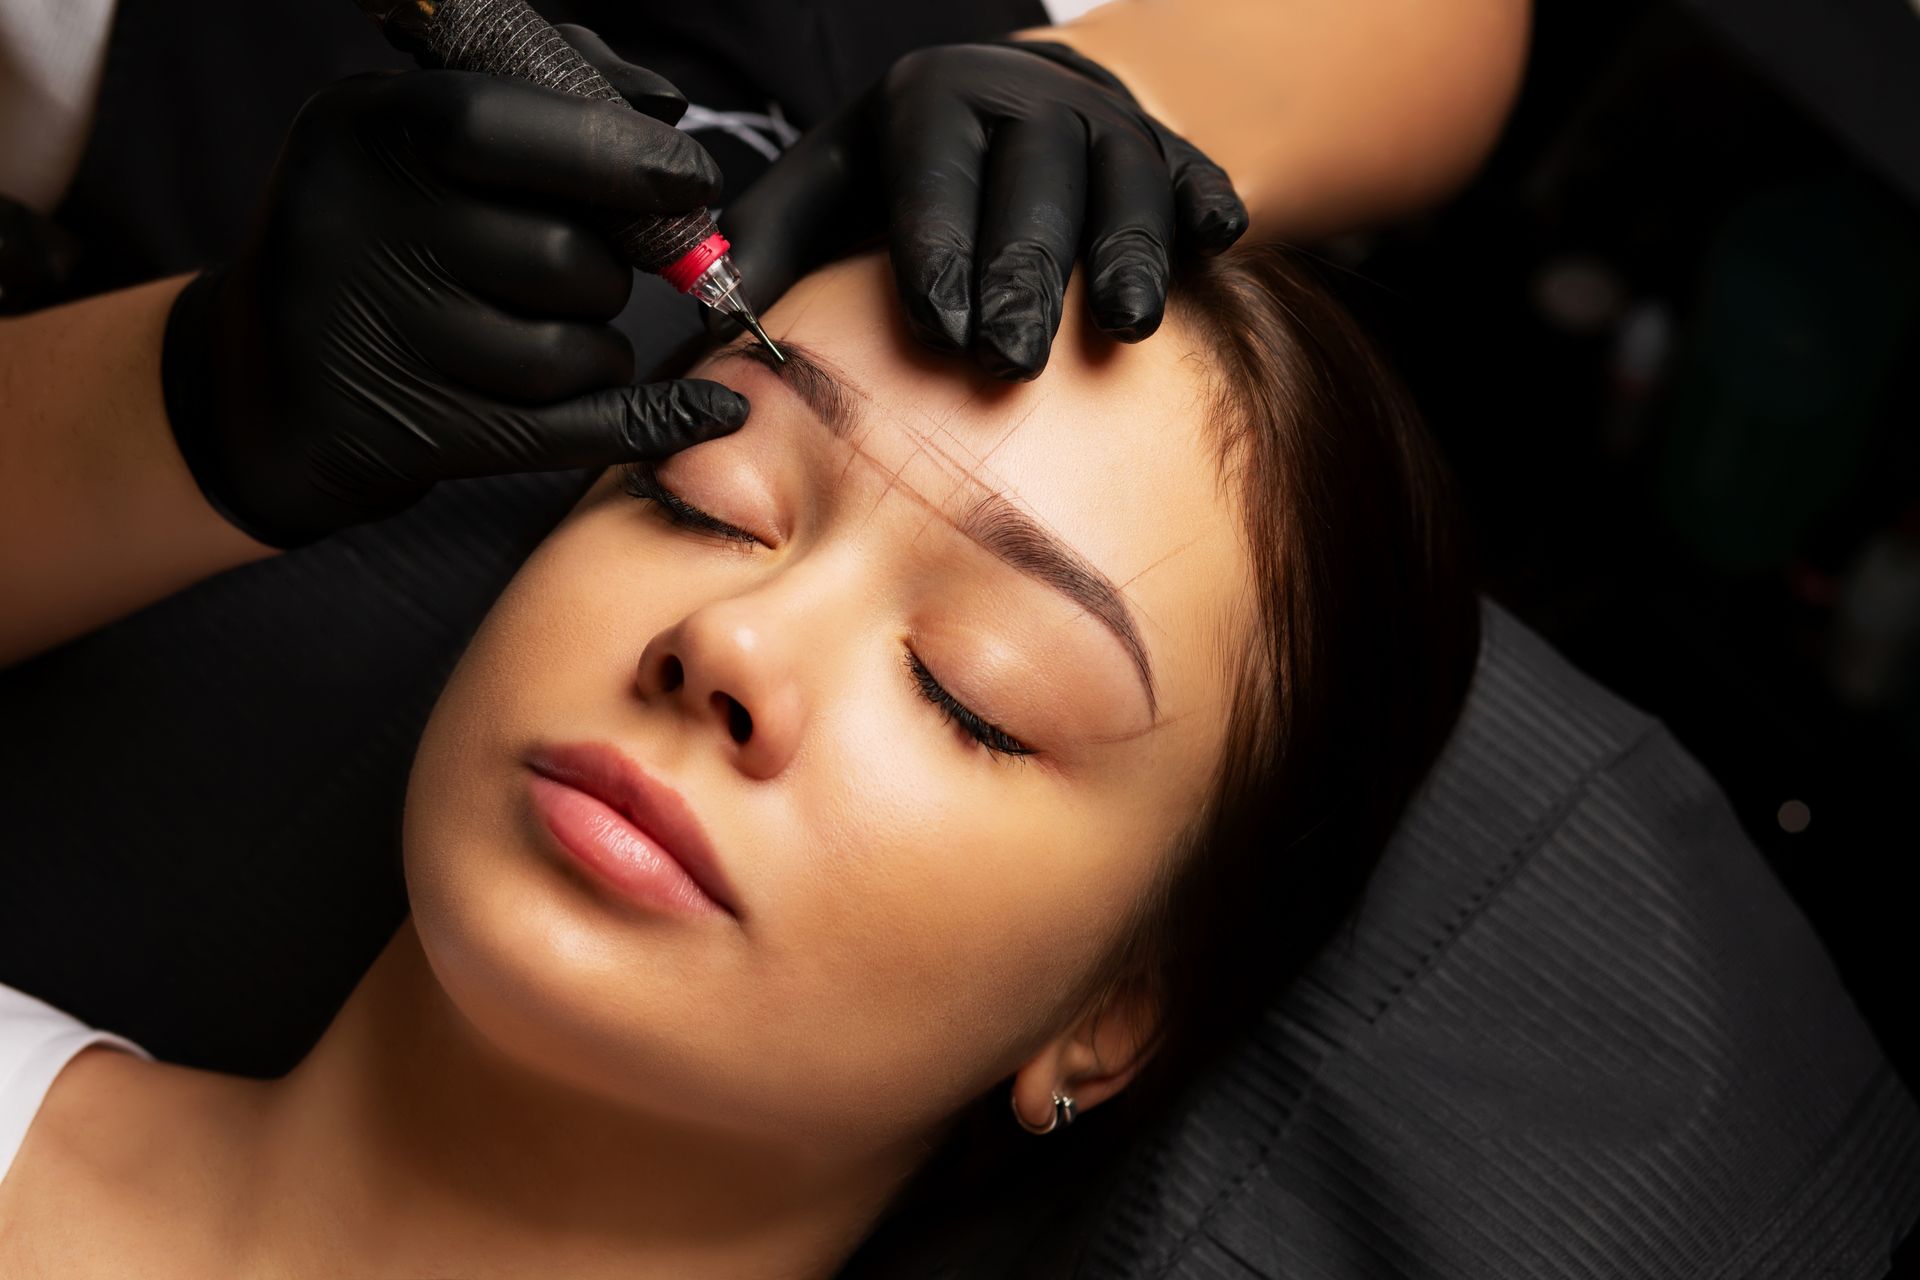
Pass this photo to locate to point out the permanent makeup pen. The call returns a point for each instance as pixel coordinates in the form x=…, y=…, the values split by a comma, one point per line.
x=506, y=37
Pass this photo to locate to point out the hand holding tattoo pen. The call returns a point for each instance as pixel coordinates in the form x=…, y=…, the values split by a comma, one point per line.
x=506, y=37
x=427, y=293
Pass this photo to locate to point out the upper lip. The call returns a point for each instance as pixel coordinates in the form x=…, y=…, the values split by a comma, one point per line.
x=606, y=774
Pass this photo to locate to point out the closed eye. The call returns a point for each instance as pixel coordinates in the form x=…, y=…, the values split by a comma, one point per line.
x=641, y=480
x=987, y=734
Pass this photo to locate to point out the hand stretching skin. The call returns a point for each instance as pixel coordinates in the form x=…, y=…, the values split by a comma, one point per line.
x=988, y=171
x=991, y=167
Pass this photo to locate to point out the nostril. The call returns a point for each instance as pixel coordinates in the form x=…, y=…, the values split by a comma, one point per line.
x=672, y=674
x=739, y=722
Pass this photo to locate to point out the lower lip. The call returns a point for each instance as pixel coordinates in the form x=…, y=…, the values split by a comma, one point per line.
x=616, y=854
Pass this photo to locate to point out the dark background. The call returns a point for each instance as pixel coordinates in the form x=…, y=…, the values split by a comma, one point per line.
x=1671, y=340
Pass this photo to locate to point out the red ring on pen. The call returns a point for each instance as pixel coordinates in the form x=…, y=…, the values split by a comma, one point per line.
x=682, y=274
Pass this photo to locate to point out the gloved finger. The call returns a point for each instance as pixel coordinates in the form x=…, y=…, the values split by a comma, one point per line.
x=1211, y=216
x=537, y=263
x=507, y=357
x=1130, y=228
x=503, y=135
x=935, y=151
x=646, y=423
x=648, y=91
x=1036, y=200
x=818, y=200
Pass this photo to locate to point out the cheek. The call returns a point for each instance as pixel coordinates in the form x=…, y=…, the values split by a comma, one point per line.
x=976, y=901
x=556, y=626
x=561, y=642
x=950, y=909
x=567, y=633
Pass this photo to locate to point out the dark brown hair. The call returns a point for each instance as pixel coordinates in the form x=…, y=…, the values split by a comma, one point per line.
x=1366, y=632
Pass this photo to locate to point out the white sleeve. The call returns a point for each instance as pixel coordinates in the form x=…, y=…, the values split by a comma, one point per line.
x=1059, y=11
x=52, y=53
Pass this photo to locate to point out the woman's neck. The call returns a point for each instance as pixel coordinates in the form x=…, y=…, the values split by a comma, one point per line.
x=404, y=1144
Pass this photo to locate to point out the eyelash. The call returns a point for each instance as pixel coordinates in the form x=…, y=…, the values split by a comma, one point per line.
x=639, y=480
x=987, y=734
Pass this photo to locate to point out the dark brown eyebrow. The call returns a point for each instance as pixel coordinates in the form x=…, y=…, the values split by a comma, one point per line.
x=1008, y=533
x=819, y=390
x=1034, y=550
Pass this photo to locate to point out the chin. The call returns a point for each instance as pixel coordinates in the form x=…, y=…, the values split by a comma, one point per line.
x=518, y=962
x=554, y=979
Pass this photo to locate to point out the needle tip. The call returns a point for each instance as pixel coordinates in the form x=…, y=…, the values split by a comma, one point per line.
x=753, y=322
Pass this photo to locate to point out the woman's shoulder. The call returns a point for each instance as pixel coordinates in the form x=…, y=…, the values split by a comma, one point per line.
x=56, y=1087
x=37, y=1041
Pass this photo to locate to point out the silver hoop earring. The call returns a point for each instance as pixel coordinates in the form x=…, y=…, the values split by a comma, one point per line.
x=1062, y=1113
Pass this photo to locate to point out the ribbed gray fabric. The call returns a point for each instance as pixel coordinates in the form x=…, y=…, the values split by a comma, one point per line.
x=1578, y=1030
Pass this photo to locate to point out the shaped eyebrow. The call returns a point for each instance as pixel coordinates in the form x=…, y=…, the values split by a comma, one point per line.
x=830, y=399
x=1018, y=540
x=993, y=522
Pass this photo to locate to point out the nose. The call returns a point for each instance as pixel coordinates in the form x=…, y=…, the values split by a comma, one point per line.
x=729, y=672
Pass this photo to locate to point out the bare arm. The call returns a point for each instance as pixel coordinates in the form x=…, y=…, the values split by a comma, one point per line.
x=98, y=513
x=1328, y=114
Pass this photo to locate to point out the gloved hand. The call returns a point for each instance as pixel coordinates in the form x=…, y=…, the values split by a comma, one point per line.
x=426, y=295
x=991, y=167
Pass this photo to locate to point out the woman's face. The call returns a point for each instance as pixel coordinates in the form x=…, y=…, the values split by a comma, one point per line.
x=939, y=667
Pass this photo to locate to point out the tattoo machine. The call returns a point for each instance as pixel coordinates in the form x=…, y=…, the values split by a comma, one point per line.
x=506, y=37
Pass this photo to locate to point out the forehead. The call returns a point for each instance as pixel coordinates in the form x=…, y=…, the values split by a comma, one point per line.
x=1110, y=449
x=1100, y=413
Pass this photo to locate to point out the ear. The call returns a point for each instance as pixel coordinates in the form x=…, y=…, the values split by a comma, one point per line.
x=1092, y=1060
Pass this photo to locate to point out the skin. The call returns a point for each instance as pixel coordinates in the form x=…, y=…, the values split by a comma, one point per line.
x=538, y=1077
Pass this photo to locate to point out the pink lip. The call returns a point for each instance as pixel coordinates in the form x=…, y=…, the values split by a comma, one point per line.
x=634, y=834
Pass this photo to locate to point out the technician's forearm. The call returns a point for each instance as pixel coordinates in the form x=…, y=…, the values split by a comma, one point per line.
x=1328, y=114
x=98, y=514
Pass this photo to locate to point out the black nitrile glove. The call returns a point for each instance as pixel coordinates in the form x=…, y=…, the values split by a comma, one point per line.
x=990, y=167
x=426, y=295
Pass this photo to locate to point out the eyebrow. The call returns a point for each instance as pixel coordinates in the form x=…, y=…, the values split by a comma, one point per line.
x=994, y=523
x=830, y=399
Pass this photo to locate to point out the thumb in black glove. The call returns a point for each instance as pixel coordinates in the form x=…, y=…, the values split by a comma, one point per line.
x=426, y=295
x=990, y=167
